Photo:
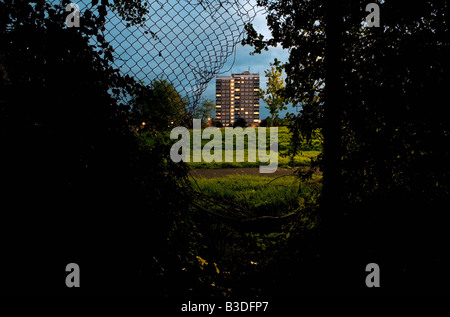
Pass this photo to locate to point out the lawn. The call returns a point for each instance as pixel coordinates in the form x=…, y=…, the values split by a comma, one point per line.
x=259, y=196
x=307, y=153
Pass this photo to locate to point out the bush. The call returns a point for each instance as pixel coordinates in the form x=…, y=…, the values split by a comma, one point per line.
x=78, y=185
x=240, y=123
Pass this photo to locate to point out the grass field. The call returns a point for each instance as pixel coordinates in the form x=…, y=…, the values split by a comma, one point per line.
x=261, y=196
x=258, y=195
x=307, y=153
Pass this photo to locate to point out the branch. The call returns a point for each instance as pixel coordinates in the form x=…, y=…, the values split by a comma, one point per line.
x=259, y=224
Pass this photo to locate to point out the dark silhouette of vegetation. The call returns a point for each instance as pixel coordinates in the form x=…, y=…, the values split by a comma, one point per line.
x=159, y=107
x=77, y=184
x=240, y=122
x=377, y=95
x=204, y=111
x=85, y=181
x=276, y=122
x=216, y=123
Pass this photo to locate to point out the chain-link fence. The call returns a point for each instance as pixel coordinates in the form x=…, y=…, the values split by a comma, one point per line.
x=184, y=42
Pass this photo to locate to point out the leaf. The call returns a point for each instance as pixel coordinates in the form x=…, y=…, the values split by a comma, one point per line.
x=87, y=15
x=109, y=56
x=201, y=261
x=102, y=10
x=94, y=2
x=217, y=269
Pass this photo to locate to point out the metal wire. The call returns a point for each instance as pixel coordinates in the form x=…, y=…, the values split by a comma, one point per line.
x=184, y=42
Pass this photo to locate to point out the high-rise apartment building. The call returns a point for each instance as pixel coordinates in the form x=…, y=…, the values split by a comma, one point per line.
x=237, y=96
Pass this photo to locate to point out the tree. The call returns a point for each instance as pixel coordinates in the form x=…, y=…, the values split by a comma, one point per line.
x=159, y=106
x=265, y=122
x=317, y=53
x=332, y=112
x=274, y=95
x=217, y=123
x=375, y=94
x=204, y=111
x=78, y=185
x=240, y=123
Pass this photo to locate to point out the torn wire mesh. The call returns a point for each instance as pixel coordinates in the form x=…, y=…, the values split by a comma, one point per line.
x=184, y=42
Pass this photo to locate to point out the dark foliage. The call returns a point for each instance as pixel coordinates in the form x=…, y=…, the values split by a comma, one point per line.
x=159, y=106
x=378, y=95
x=77, y=185
x=276, y=122
x=217, y=123
x=240, y=123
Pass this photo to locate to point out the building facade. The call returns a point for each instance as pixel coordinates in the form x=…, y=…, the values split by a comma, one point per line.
x=237, y=96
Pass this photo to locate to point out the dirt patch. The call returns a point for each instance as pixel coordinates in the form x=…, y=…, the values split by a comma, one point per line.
x=222, y=172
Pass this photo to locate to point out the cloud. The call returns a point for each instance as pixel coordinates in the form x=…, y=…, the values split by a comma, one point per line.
x=260, y=25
